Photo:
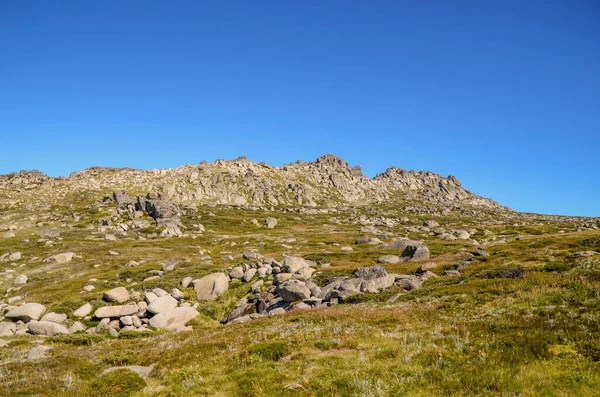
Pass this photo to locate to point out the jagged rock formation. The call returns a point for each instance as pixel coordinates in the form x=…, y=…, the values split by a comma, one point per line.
x=329, y=181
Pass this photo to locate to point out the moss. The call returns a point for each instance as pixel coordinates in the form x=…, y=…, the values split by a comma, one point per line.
x=326, y=345
x=273, y=351
x=116, y=383
x=504, y=272
x=79, y=339
x=135, y=334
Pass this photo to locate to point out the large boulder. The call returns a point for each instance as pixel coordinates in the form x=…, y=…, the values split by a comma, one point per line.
x=161, y=304
x=291, y=264
x=174, y=319
x=60, y=258
x=415, y=253
x=118, y=295
x=116, y=311
x=401, y=244
x=212, y=286
x=293, y=290
x=123, y=198
x=376, y=284
x=161, y=209
x=26, y=312
x=370, y=273
x=47, y=328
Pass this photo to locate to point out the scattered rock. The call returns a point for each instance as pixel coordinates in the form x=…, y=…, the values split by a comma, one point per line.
x=270, y=223
x=212, y=286
x=388, y=259
x=60, y=258
x=83, y=310
x=174, y=319
x=118, y=295
x=47, y=328
x=26, y=312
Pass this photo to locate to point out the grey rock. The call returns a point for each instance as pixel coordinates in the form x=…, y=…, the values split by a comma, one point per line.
x=164, y=303
x=47, y=328
x=270, y=223
x=26, y=312
x=212, y=286
x=293, y=290
x=415, y=253
x=389, y=259
x=370, y=273
x=174, y=319
x=118, y=295
x=116, y=311
x=58, y=318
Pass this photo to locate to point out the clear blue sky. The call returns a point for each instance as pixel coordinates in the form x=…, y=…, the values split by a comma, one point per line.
x=503, y=94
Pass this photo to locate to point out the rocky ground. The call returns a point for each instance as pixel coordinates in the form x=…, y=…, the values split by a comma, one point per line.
x=237, y=278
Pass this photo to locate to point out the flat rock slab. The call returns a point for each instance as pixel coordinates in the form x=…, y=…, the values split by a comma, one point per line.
x=161, y=304
x=174, y=319
x=116, y=311
x=26, y=312
x=47, y=328
x=60, y=258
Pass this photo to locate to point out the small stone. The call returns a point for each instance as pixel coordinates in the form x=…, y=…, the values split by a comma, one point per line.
x=83, y=310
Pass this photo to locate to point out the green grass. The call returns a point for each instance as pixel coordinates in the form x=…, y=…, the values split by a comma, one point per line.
x=523, y=321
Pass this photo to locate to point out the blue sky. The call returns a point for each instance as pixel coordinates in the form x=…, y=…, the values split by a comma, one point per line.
x=503, y=94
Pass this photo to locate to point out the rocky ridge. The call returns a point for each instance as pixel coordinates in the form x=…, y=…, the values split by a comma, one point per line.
x=328, y=181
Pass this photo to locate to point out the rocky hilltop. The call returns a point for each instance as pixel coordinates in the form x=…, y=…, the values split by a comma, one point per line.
x=329, y=181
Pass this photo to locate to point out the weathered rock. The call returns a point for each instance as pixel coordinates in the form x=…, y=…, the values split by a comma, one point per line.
x=47, y=328
x=415, y=253
x=76, y=327
x=159, y=305
x=7, y=329
x=174, y=319
x=248, y=275
x=20, y=280
x=293, y=290
x=452, y=273
x=83, y=310
x=212, y=286
x=10, y=257
x=60, y=258
x=237, y=272
x=116, y=311
x=26, y=312
x=370, y=272
x=37, y=352
x=389, y=259
x=270, y=223
x=409, y=283
x=291, y=264
x=463, y=235
x=58, y=318
x=118, y=295
x=50, y=232
x=426, y=267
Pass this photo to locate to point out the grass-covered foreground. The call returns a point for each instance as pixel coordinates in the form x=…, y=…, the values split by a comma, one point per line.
x=523, y=321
